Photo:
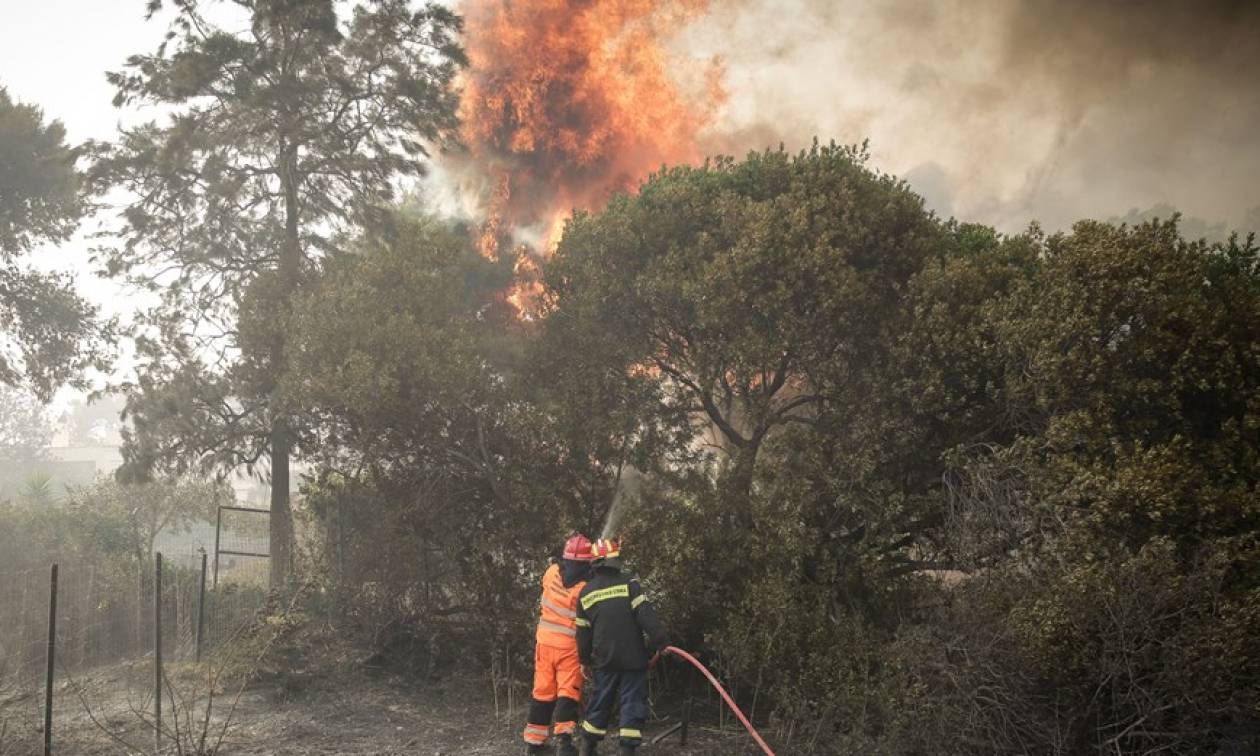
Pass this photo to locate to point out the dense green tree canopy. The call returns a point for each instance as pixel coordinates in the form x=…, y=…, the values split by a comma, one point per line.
x=1134, y=353
x=439, y=474
x=893, y=434
x=730, y=286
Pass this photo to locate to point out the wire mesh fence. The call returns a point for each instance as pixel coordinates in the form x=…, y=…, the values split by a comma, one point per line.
x=108, y=621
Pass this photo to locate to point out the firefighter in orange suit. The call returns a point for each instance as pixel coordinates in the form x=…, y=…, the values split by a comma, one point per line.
x=557, y=671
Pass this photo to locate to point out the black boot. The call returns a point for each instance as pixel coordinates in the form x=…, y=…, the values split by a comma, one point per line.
x=587, y=746
x=564, y=745
x=535, y=750
x=628, y=749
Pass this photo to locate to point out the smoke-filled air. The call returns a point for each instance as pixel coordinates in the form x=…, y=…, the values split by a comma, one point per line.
x=572, y=377
x=1000, y=111
x=1007, y=111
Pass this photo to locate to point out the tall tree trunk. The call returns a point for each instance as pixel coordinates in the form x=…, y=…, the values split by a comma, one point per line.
x=281, y=531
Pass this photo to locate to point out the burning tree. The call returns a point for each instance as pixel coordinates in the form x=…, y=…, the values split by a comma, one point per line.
x=565, y=104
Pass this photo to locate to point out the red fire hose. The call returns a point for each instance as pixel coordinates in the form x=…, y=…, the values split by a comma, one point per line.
x=725, y=696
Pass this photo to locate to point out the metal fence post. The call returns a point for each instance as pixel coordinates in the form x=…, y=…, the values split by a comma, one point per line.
x=218, y=525
x=201, y=607
x=51, y=656
x=157, y=653
x=85, y=634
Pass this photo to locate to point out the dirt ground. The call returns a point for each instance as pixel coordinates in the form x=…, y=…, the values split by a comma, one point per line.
x=306, y=709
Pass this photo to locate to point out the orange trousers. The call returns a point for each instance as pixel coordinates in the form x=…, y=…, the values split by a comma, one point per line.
x=557, y=691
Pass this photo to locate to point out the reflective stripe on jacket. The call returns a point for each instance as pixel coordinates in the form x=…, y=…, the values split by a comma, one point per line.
x=557, y=625
x=613, y=617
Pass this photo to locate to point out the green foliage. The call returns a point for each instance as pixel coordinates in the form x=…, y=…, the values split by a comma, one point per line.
x=1134, y=653
x=440, y=487
x=104, y=523
x=50, y=334
x=120, y=518
x=728, y=285
x=1139, y=367
x=283, y=138
x=903, y=482
x=985, y=433
x=41, y=199
x=37, y=489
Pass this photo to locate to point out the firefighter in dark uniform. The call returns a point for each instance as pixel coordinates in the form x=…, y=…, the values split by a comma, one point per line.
x=613, y=618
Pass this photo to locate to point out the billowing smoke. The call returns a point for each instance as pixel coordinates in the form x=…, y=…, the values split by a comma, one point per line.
x=1004, y=111
x=998, y=111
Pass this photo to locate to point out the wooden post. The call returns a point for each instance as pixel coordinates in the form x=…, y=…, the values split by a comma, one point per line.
x=50, y=657
x=157, y=653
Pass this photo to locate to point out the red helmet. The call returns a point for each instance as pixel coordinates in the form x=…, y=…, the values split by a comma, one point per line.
x=578, y=548
x=607, y=548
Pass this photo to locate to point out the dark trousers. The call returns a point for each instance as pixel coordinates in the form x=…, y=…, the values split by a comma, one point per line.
x=631, y=687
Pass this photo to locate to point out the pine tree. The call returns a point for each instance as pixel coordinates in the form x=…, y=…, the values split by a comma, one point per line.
x=279, y=139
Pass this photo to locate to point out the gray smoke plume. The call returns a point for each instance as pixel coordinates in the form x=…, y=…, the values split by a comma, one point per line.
x=1006, y=111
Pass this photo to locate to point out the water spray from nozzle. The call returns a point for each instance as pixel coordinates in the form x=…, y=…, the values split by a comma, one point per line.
x=629, y=481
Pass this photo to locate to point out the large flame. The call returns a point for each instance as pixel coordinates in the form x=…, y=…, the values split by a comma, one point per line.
x=568, y=101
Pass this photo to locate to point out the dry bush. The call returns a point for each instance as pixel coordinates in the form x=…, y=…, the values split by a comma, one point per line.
x=422, y=577
x=1134, y=654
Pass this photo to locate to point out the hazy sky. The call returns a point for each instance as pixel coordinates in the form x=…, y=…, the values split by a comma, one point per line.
x=54, y=54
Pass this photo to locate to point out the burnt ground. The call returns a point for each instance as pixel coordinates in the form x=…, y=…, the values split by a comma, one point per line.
x=317, y=702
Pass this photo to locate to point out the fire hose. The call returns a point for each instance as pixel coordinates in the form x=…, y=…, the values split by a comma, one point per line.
x=725, y=696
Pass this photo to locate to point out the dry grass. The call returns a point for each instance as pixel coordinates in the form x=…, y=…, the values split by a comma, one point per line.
x=315, y=696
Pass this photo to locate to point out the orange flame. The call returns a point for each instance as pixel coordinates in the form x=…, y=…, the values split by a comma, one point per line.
x=568, y=101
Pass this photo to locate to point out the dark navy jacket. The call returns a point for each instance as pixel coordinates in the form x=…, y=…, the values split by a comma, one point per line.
x=613, y=616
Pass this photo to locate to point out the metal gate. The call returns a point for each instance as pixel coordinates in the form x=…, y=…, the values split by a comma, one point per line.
x=218, y=531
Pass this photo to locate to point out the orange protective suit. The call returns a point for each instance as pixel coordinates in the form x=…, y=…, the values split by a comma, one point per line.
x=557, y=671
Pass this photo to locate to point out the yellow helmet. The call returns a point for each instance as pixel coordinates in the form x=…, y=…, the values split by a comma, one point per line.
x=606, y=548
